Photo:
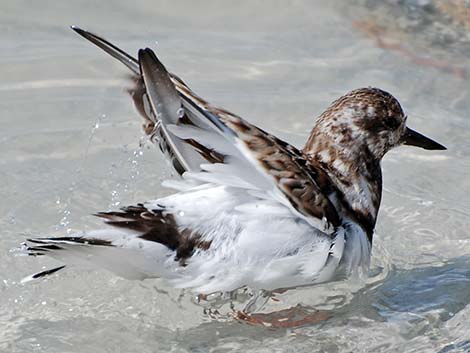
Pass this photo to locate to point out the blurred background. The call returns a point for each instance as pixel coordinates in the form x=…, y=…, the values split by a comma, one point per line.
x=70, y=145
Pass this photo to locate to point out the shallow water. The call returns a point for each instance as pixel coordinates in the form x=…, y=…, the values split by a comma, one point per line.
x=69, y=146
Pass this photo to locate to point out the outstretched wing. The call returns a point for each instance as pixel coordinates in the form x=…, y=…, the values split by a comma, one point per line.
x=183, y=158
x=213, y=145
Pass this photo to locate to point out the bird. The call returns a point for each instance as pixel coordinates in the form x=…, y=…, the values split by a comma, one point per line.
x=248, y=209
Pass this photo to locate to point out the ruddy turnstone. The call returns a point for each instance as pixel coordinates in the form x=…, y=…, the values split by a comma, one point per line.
x=249, y=209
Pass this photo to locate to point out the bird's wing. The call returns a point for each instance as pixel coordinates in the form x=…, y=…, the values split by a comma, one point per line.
x=209, y=238
x=166, y=98
x=256, y=158
x=213, y=145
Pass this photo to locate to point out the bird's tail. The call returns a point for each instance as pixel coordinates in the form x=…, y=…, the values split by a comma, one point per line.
x=119, y=251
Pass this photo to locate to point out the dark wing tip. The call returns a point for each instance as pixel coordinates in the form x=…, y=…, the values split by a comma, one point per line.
x=109, y=48
x=141, y=54
x=77, y=29
x=90, y=36
x=146, y=54
x=47, y=272
x=85, y=34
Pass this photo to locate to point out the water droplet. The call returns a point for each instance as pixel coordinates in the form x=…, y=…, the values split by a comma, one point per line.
x=180, y=112
x=425, y=203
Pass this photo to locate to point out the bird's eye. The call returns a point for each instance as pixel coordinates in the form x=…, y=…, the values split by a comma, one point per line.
x=391, y=122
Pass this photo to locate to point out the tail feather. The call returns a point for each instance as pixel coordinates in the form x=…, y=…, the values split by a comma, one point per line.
x=141, y=243
x=42, y=274
x=119, y=251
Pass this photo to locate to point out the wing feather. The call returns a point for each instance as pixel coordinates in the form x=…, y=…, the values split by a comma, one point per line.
x=213, y=145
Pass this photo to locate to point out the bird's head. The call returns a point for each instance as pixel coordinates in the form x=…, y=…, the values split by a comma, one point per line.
x=366, y=120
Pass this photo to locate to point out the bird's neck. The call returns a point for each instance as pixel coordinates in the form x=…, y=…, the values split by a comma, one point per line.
x=356, y=177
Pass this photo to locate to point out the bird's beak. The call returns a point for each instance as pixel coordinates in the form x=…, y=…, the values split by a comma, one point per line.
x=413, y=138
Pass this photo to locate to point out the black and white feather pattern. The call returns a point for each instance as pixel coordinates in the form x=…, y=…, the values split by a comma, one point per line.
x=248, y=211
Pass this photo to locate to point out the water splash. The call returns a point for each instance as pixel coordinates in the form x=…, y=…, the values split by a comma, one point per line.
x=123, y=189
x=64, y=204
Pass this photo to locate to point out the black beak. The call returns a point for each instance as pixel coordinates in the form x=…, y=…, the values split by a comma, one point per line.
x=413, y=138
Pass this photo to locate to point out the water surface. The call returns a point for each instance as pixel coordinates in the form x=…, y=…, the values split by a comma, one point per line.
x=69, y=146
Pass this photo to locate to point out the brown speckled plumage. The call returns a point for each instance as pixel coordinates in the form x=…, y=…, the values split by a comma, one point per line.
x=348, y=142
x=354, y=132
x=157, y=226
x=250, y=209
x=281, y=160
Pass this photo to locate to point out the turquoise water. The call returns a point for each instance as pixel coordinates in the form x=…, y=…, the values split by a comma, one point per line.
x=69, y=146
